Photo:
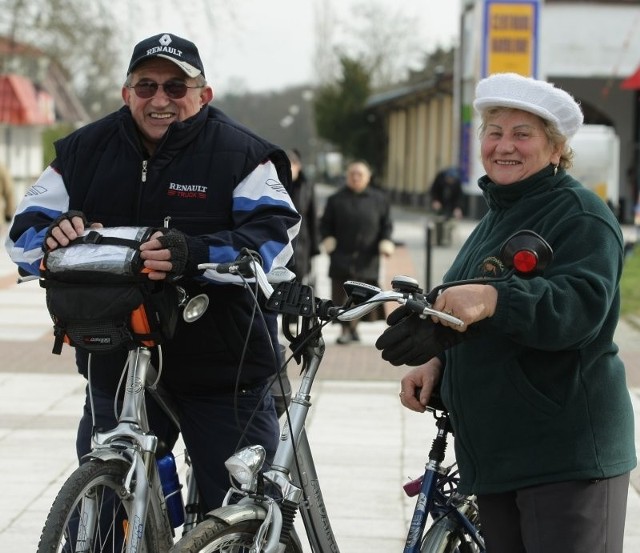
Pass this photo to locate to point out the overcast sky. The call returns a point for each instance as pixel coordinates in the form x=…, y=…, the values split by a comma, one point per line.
x=265, y=44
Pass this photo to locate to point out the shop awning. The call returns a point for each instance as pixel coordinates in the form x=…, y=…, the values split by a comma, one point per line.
x=632, y=82
x=21, y=104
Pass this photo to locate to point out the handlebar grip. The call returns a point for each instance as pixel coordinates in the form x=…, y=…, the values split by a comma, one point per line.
x=242, y=266
x=421, y=307
x=416, y=305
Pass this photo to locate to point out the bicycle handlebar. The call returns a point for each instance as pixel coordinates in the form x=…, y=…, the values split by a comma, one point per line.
x=246, y=268
x=418, y=306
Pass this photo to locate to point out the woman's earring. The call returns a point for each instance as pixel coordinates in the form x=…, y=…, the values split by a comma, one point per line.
x=555, y=170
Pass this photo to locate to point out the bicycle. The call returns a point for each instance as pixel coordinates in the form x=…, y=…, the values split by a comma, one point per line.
x=125, y=495
x=118, y=490
x=259, y=510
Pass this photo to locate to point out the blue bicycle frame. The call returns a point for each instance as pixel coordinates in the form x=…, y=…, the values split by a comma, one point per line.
x=432, y=499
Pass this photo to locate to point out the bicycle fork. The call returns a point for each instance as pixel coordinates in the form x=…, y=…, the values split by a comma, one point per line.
x=130, y=442
x=428, y=487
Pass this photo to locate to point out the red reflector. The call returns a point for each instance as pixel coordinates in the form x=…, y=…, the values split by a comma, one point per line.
x=525, y=261
x=412, y=488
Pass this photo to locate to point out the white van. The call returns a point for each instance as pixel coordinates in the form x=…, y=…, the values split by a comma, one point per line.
x=597, y=161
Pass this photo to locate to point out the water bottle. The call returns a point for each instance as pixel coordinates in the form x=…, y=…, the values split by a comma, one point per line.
x=171, y=488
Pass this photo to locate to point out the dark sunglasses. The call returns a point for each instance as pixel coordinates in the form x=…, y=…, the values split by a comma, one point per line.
x=173, y=89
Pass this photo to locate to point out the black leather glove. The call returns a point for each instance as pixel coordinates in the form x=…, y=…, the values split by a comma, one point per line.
x=410, y=340
x=68, y=215
x=176, y=242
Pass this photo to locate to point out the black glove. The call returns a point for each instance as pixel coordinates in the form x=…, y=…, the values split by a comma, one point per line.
x=56, y=223
x=176, y=242
x=410, y=340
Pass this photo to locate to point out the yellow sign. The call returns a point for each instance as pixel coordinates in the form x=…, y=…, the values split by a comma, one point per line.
x=511, y=30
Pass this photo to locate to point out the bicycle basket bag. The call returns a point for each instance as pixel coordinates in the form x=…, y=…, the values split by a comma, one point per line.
x=99, y=297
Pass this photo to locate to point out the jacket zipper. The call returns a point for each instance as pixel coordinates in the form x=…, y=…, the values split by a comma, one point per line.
x=143, y=180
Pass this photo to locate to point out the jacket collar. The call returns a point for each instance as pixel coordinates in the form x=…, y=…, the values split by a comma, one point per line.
x=504, y=196
x=177, y=136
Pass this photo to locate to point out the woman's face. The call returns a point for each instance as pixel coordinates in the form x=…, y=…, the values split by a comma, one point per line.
x=358, y=176
x=515, y=146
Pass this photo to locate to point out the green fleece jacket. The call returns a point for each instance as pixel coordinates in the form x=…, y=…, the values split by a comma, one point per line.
x=539, y=395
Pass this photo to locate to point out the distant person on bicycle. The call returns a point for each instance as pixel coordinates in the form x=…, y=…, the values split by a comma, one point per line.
x=537, y=394
x=168, y=156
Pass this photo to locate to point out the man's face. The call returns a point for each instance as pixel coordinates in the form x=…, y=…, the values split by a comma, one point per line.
x=154, y=115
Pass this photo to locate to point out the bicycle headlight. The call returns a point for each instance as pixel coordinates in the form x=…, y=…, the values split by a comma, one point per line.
x=195, y=308
x=245, y=464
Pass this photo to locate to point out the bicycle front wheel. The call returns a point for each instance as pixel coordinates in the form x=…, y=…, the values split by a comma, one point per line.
x=90, y=515
x=448, y=536
x=213, y=535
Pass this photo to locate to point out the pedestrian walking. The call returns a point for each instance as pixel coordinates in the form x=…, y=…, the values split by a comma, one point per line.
x=307, y=244
x=356, y=230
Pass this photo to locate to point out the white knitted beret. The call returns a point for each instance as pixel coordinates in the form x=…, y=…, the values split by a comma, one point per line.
x=539, y=97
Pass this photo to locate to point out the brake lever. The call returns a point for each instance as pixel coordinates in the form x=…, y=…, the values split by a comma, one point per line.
x=427, y=311
x=420, y=304
x=360, y=310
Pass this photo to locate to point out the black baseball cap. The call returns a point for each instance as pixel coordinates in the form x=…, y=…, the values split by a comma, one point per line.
x=180, y=51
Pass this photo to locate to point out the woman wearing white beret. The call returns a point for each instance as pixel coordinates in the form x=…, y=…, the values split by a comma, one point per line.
x=537, y=394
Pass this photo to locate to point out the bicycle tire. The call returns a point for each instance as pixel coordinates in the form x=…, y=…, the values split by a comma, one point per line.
x=448, y=536
x=103, y=480
x=214, y=535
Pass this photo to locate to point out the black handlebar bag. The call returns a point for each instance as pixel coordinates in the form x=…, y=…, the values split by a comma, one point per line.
x=99, y=296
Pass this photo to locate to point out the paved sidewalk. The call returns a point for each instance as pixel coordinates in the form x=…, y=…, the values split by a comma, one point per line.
x=365, y=444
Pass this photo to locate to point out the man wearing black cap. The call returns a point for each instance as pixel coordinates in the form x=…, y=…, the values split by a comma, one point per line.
x=168, y=156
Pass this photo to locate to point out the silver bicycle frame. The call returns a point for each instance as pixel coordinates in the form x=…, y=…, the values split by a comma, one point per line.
x=132, y=441
x=304, y=487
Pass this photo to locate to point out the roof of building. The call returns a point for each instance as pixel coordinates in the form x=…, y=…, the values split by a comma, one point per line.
x=22, y=104
x=29, y=61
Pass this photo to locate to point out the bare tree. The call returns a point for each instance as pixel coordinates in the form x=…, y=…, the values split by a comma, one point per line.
x=89, y=39
x=77, y=35
x=384, y=40
x=325, y=62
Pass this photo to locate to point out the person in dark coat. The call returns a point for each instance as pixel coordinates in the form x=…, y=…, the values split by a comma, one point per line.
x=169, y=160
x=356, y=229
x=7, y=193
x=303, y=195
x=446, y=193
x=537, y=392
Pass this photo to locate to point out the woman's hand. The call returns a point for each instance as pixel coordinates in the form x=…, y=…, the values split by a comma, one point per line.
x=468, y=302
x=418, y=384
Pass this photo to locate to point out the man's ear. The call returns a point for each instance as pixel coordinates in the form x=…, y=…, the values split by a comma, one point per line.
x=207, y=95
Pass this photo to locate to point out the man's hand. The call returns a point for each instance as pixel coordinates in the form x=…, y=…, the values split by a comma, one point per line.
x=418, y=384
x=65, y=228
x=165, y=255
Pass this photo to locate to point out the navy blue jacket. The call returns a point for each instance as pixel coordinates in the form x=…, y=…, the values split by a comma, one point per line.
x=215, y=181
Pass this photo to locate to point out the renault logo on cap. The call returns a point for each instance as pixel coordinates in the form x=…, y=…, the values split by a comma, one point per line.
x=165, y=40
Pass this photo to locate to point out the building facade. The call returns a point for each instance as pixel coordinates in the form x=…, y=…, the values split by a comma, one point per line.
x=589, y=48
